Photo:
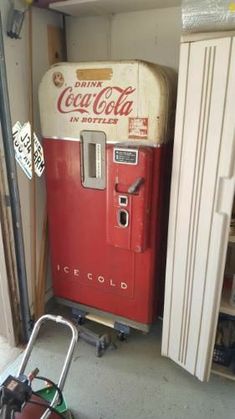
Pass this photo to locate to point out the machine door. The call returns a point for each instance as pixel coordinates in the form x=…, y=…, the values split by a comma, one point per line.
x=201, y=202
x=129, y=192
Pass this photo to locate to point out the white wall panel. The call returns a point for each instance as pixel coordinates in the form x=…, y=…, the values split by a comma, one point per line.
x=151, y=35
x=88, y=38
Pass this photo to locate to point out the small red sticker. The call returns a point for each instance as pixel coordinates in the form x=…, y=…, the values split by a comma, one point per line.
x=138, y=128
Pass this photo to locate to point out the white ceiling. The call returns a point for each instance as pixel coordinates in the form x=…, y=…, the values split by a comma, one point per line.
x=101, y=7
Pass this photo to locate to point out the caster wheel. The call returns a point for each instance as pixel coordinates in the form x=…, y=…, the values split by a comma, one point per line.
x=122, y=337
x=80, y=321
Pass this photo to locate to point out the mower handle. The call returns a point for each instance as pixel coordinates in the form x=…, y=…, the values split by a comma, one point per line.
x=68, y=359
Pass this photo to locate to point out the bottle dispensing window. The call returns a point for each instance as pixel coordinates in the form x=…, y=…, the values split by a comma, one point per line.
x=93, y=159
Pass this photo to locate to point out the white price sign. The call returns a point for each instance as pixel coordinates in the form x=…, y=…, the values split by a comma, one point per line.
x=23, y=154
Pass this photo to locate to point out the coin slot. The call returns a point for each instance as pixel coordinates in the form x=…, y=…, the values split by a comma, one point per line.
x=123, y=201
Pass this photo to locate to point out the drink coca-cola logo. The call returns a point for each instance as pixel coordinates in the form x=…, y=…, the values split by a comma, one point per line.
x=110, y=100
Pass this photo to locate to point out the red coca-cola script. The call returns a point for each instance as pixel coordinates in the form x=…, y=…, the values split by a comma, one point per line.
x=110, y=100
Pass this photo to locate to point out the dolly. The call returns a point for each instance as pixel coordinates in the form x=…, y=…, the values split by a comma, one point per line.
x=17, y=398
x=101, y=341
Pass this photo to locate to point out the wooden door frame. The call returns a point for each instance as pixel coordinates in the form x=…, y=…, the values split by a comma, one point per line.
x=8, y=272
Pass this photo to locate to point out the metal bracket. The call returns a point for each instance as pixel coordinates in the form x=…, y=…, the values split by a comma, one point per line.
x=123, y=330
x=101, y=342
x=79, y=316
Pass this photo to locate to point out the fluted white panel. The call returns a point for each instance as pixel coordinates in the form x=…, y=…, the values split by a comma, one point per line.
x=201, y=202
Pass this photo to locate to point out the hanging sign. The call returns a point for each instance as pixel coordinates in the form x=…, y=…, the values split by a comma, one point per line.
x=23, y=154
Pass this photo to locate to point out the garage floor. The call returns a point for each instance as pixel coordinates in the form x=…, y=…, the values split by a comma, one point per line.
x=7, y=353
x=132, y=382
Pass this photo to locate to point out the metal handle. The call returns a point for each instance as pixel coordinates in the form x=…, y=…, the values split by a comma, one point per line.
x=135, y=185
x=68, y=359
x=225, y=195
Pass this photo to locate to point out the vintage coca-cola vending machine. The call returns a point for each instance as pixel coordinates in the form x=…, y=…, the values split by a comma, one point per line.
x=106, y=130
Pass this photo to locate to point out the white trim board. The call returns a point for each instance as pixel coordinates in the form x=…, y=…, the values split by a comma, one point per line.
x=81, y=8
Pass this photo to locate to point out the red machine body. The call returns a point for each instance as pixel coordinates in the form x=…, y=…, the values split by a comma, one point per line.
x=107, y=210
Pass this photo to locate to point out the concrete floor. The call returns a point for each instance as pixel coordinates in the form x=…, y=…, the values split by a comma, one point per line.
x=132, y=382
x=7, y=354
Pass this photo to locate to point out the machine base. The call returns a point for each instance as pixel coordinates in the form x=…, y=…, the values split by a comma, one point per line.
x=109, y=319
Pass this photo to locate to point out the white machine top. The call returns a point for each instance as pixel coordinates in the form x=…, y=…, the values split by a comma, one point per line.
x=131, y=101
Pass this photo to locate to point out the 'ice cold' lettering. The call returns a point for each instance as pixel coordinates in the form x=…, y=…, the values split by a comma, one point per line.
x=89, y=276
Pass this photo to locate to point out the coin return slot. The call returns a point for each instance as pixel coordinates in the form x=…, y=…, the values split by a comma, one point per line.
x=123, y=218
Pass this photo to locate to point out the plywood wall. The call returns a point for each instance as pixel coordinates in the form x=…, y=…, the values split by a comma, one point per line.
x=17, y=60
